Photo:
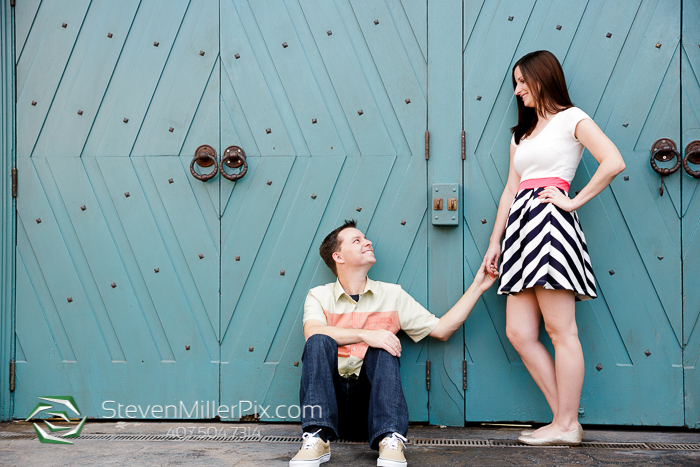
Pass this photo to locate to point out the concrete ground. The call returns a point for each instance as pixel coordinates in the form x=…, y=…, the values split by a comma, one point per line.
x=259, y=444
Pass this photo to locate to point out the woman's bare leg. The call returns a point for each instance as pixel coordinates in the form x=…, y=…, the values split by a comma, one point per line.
x=523, y=328
x=559, y=314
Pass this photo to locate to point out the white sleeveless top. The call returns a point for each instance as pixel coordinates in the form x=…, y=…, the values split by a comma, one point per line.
x=554, y=152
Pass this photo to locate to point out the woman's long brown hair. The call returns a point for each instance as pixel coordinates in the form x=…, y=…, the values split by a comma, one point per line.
x=544, y=76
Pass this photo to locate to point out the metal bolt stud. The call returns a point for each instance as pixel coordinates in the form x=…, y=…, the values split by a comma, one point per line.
x=70, y=299
x=109, y=34
x=238, y=258
x=38, y=220
x=269, y=182
x=126, y=120
x=34, y=103
x=170, y=180
x=376, y=21
x=558, y=27
x=171, y=129
x=608, y=35
x=156, y=270
x=64, y=25
x=268, y=130
x=296, y=363
x=201, y=53
x=660, y=257
x=80, y=112
x=358, y=209
x=647, y=352
x=329, y=32
x=599, y=367
x=237, y=56
x=201, y=256
x=313, y=120
x=478, y=98
x=313, y=196
x=510, y=18
x=114, y=285
x=360, y=112
x=127, y=194
x=187, y=347
x=83, y=208
x=282, y=272
x=625, y=124
x=483, y=221
x=250, y=349
x=284, y=45
x=611, y=272
x=626, y=178
x=658, y=45
x=156, y=44
x=403, y=222
x=408, y=101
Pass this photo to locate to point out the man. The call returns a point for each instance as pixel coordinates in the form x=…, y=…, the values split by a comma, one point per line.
x=351, y=380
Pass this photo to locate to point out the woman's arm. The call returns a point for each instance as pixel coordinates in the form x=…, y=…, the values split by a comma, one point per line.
x=611, y=163
x=499, y=226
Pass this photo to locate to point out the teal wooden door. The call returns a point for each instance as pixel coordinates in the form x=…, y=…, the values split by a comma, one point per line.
x=329, y=101
x=141, y=285
x=622, y=62
x=114, y=302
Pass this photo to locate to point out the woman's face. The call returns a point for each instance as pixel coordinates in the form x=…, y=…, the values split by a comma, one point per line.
x=522, y=90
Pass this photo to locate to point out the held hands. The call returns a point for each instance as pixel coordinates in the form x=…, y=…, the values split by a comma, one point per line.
x=485, y=276
x=383, y=339
x=490, y=264
x=554, y=196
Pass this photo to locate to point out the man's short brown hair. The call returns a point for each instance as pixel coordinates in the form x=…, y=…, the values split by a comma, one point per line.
x=330, y=245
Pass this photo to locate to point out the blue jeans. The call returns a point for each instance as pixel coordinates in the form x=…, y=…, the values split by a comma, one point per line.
x=351, y=408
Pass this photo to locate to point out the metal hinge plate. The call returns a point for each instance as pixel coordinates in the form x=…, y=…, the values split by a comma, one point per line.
x=463, y=146
x=427, y=145
x=12, y=375
x=427, y=375
x=14, y=182
x=464, y=375
x=12, y=2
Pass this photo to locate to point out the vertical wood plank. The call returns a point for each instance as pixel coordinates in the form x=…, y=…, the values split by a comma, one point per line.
x=445, y=268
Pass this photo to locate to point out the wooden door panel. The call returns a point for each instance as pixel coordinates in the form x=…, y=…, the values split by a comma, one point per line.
x=605, y=47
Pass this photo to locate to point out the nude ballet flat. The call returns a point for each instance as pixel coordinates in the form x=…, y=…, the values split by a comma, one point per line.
x=572, y=438
x=527, y=431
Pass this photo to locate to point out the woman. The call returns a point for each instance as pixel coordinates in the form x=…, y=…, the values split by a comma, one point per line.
x=545, y=265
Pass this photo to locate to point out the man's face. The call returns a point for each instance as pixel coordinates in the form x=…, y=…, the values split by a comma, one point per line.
x=355, y=250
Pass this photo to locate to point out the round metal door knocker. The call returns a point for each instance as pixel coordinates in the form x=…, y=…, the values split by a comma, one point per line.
x=664, y=150
x=234, y=158
x=204, y=156
x=692, y=155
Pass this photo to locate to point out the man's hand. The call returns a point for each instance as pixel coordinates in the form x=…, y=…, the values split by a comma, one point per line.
x=382, y=339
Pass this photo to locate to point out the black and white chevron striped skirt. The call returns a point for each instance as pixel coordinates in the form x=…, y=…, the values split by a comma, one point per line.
x=544, y=245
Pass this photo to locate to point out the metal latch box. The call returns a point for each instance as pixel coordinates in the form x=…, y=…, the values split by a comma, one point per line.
x=445, y=205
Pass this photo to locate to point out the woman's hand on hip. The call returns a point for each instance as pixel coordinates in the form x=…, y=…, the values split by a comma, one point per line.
x=554, y=196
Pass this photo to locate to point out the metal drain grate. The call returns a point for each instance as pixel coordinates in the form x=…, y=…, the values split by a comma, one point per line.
x=626, y=446
x=96, y=436
x=448, y=442
x=674, y=447
x=224, y=439
x=281, y=439
x=17, y=436
x=512, y=443
x=146, y=438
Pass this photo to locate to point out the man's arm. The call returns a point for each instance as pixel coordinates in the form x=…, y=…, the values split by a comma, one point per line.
x=458, y=314
x=380, y=338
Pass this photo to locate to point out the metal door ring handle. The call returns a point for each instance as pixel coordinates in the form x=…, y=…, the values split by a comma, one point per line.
x=692, y=155
x=204, y=156
x=234, y=157
x=663, y=150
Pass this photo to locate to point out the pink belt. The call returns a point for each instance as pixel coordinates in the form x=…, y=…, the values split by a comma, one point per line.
x=544, y=182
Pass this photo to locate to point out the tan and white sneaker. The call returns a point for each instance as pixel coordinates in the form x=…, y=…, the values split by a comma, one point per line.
x=314, y=452
x=391, y=451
